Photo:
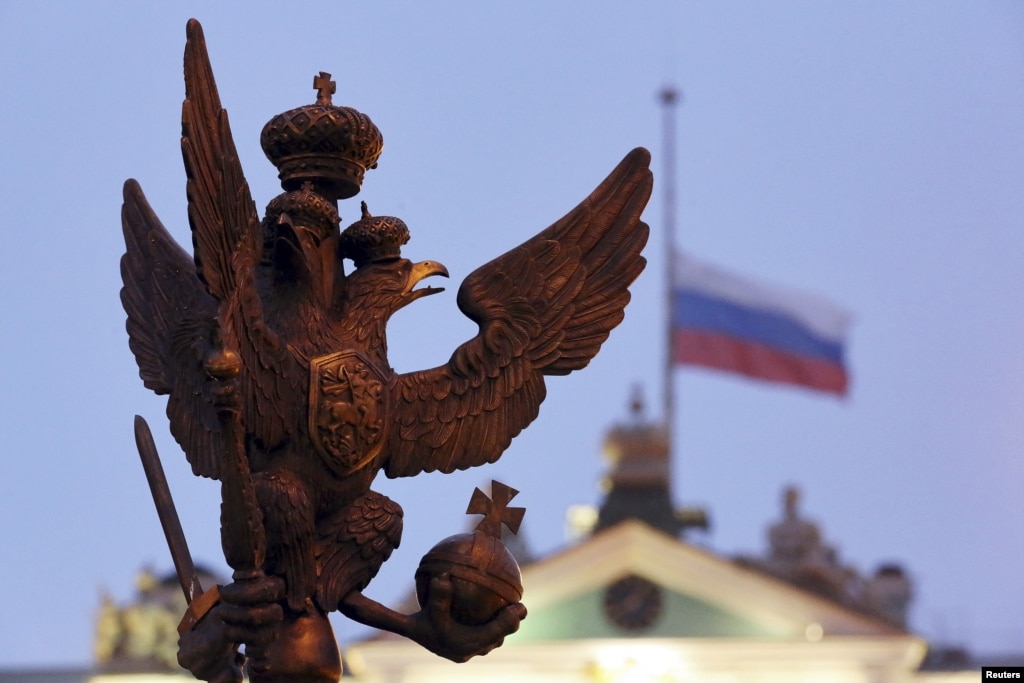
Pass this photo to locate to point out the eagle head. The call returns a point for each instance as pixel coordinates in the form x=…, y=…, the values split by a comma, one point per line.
x=383, y=280
x=300, y=232
x=388, y=285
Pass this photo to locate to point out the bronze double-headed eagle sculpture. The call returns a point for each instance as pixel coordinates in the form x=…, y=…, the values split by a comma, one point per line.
x=274, y=360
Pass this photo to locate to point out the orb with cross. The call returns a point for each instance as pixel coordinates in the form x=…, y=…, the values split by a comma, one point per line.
x=484, y=575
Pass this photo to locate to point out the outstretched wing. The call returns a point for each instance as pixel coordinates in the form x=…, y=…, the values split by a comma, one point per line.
x=544, y=308
x=180, y=307
x=227, y=240
x=221, y=212
x=171, y=320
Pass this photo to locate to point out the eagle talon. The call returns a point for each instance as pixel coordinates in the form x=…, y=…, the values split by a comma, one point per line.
x=440, y=632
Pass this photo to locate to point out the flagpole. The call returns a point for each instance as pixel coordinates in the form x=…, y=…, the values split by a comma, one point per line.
x=668, y=96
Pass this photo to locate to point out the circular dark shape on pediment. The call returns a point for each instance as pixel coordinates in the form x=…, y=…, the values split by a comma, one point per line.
x=633, y=603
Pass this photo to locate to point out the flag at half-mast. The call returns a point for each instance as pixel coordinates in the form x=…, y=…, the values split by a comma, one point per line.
x=735, y=324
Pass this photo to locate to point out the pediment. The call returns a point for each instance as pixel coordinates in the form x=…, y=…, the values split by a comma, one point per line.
x=701, y=595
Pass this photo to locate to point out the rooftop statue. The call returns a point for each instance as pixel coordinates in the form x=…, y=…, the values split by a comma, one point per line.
x=794, y=540
x=274, y=361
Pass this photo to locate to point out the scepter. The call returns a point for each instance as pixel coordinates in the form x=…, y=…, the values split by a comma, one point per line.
x=241, y=522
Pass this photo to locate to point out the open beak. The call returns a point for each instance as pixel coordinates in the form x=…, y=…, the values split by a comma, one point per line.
x=417, y=273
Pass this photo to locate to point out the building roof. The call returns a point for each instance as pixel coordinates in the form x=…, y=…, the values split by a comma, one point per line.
x=715, y=588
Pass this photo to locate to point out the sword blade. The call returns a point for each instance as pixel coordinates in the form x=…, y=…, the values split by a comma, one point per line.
x=183, y=564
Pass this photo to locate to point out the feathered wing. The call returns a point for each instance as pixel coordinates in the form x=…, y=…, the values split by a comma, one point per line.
x=227, y=240
x=544, y=308
x=221, y=212
x=171, y=320
x=180, y=307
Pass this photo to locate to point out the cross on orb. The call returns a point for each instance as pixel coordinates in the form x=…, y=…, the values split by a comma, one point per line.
x=496, y=510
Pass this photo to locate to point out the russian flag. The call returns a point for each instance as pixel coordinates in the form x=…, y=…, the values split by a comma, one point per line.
x=731, y=323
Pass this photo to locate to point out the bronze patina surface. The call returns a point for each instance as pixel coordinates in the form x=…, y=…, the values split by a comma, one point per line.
x=274, y=361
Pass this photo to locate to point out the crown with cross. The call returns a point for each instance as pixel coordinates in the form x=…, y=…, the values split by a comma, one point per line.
x=329, y=146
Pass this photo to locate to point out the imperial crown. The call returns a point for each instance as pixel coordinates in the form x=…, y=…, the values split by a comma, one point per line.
x=328, y=145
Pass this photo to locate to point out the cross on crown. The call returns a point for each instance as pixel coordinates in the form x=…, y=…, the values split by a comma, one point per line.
x=324, y=87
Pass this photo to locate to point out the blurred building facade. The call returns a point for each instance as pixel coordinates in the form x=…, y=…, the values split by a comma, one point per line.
x=631, y=600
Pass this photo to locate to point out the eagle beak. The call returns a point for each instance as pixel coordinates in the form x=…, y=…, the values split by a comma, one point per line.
x=419, y=272
x=286, y=234
x=296, y=244
x=298, y=232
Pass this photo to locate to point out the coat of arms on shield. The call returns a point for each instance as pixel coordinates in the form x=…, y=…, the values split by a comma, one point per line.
x=347, y=410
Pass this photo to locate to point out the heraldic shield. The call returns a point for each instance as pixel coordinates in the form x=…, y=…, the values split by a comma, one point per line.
x=347, y=410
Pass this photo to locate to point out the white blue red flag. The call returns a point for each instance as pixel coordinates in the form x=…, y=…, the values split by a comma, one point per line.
x=735, y=324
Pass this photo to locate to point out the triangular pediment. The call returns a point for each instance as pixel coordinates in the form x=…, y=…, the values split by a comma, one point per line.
x=678, y=591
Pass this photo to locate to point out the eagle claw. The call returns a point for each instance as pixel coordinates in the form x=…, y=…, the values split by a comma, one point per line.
x=438, y=631
x=248, y=612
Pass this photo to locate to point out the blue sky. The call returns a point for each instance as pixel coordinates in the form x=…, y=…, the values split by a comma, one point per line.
x=872, y=153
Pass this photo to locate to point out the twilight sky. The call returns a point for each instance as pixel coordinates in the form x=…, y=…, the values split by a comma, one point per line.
x=872, y=153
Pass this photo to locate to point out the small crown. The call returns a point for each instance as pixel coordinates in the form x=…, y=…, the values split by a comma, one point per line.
x=306, y=207
x=373, y=238
x=329, y=145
